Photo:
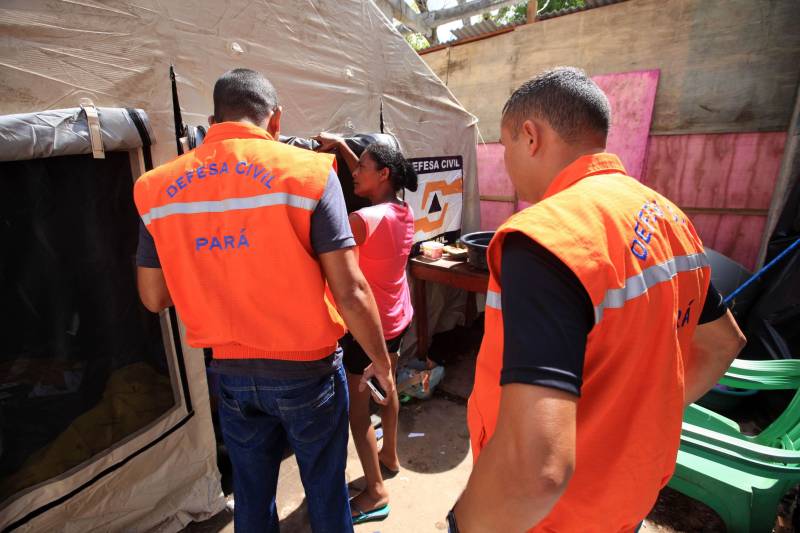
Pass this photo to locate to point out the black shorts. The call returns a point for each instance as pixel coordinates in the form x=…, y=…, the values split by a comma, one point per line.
x=356, y=360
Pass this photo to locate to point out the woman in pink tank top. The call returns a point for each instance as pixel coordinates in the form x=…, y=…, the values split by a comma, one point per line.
x=384, y=233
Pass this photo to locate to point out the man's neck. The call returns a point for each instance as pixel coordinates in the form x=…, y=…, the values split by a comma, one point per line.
x=560, y=160
x=248, y=121
x=573, y=153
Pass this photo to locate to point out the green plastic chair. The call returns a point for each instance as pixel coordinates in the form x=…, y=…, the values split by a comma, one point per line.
x=742, y=477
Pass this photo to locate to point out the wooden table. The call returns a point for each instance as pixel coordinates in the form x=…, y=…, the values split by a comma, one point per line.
x=453, y=273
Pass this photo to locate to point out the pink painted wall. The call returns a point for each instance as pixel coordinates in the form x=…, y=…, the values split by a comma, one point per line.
x=698, y=172
x=631, y=95
x=493, y=181
x=492, y=177
x=728, y=170
x=736, y=236
x=721, y=171
x=494, y=213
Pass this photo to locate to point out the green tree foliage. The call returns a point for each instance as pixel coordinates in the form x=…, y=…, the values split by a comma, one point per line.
x=417, y=41
x=517, y=14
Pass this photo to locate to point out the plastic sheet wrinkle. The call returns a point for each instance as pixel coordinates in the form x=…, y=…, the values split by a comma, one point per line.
x=98, y=6
x=51, y=78
x=114, y=64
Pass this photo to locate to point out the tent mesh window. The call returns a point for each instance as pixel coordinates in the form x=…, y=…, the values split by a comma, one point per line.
x=82, y=363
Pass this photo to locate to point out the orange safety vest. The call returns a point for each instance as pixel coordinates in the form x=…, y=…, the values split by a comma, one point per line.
x=643, y=266
x=232, y=222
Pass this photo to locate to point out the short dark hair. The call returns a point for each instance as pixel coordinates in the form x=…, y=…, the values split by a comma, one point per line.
x=401, y=171
x=566, y=98
x=243, y=93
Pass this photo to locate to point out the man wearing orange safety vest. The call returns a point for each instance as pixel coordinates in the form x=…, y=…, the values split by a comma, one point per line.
x=242, y=234
x=592, y=345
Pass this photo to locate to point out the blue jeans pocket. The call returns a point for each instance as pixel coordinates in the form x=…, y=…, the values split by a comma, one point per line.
x=233, y=420
x=229, y=402
x=308, y=412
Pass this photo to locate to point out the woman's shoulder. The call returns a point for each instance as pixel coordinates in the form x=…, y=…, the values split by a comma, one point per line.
x=387, y=210
x=377, y=210
x=373, y=214
x=401, y=211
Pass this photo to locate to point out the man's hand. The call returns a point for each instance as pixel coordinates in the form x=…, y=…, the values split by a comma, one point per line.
x=357, y=305
x=384, y=377
x=525, y=467
x=714, y=347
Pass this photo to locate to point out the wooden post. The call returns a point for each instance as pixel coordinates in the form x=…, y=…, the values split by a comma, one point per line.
x=790, y=169
x=533, y=5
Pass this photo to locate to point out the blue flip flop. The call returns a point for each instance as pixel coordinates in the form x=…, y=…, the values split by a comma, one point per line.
x=373, y=515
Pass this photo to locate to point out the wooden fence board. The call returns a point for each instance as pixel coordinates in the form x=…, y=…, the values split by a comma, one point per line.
x=726, y=170
x=732, y=174
x=724, y=181
x=736, y=236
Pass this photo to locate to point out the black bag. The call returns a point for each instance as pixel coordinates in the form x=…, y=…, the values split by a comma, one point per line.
x=357, y=143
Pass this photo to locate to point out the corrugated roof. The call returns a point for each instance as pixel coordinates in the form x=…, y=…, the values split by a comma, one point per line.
x=476, y=30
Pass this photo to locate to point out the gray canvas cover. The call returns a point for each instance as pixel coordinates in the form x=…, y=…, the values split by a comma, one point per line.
x=59, y=132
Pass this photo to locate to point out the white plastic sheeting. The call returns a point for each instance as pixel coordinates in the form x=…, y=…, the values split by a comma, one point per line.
x=337, y=65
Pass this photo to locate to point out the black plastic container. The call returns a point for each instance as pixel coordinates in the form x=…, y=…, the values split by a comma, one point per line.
x=477, y=243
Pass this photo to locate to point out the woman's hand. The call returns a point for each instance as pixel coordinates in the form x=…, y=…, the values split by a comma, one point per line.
x=328, y=141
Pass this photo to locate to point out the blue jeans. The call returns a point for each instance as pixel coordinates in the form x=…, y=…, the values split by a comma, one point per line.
x=258, y=417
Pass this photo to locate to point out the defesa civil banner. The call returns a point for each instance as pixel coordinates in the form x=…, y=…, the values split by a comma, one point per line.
x=438, y=199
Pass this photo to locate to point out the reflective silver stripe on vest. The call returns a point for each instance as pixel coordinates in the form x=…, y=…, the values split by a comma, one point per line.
x=638, y=285
x=230, y=204
x=493, y=300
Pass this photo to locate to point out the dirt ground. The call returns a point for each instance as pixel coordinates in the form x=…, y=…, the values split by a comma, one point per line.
x=436, y=461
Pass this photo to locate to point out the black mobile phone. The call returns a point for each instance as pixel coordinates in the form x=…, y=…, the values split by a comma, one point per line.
x=376, y=388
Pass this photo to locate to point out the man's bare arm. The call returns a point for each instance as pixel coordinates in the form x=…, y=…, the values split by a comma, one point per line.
x=357, y=305
x=714, y=347
x=526, y=466
x=358, y=228
x=153, y=289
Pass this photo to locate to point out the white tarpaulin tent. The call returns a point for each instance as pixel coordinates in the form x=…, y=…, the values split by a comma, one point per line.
x=338, y=65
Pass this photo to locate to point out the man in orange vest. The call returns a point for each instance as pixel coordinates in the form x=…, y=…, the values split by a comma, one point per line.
x=242, y=234
x=592, y=346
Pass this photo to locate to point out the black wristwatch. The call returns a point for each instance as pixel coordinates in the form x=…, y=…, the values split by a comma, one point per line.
x=452, y=526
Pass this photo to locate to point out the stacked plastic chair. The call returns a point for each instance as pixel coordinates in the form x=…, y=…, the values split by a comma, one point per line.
x=742, y=477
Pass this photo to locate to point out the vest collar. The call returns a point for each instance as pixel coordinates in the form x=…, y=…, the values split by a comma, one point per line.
x=584, y=166
x=235, y=130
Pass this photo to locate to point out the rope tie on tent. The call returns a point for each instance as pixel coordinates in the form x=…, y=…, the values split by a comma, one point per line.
x=761, y=272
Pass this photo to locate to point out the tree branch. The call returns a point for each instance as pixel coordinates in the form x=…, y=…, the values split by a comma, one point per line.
x=403, y=12
x=477, y=7
x=427, y=21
